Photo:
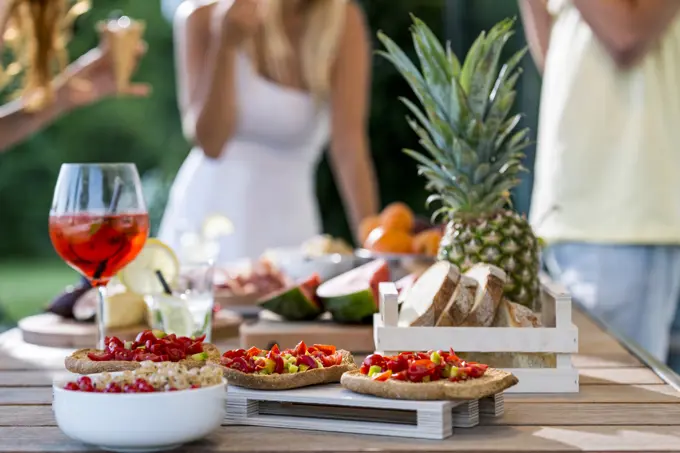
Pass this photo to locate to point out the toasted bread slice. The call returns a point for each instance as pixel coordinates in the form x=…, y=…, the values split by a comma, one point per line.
x=490, y=283
x=460, y=304
x=79, y=363
x=511, y=314
x=493, y=382
x=429, y=295
x=314, y=376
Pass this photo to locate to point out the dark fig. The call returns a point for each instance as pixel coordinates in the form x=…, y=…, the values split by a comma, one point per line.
x=63, y=304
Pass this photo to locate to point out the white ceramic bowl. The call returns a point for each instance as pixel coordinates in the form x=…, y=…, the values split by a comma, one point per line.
x=139, y=422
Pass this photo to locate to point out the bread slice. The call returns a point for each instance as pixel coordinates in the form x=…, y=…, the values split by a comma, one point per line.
x=429, y=295
x=511, y=314
x=314, y=376
x=493, y=382
x=512, y=359
x=80, y=363
x=460, y=304
x=490, y=283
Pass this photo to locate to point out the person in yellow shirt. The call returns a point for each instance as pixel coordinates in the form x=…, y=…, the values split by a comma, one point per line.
x=86, y=81
x=606, y=194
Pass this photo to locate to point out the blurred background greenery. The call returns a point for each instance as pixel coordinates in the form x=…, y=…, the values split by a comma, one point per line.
x=148, y=133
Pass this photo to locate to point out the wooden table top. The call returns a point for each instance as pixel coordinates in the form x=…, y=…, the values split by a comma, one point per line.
x=622, y=406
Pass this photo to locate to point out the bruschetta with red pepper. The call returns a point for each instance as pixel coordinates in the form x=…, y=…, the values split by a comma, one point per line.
x=149, y=345
x=277, y=369
x=434, y=375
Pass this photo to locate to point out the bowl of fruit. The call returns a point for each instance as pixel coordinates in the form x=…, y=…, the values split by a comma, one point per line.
x=156, y=407
x=406, y=241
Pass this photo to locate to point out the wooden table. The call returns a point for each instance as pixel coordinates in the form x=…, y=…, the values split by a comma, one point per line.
x=623, y=405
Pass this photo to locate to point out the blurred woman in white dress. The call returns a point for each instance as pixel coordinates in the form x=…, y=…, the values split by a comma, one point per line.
x=264, y=85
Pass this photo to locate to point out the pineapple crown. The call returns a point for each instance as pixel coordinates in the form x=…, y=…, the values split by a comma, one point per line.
x=475, y=150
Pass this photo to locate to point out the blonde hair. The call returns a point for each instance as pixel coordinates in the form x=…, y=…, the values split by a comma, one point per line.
x=324, y=22
x=37, y=33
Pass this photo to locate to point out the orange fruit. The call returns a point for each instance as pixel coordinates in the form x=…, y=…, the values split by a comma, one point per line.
x=366, y=226
x=382, y=240
x=427, y=242
x=397, y=216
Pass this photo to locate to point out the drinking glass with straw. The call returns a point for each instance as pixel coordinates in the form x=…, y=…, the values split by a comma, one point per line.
x=186, y=308
x=98, y=223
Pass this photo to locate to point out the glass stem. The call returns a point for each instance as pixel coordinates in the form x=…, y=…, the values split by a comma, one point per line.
x=101, y=323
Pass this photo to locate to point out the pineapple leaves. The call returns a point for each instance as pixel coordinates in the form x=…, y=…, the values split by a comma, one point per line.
x=486, y=69
x=432, y=57
x=471, y=151
x=453, y=61
x=427, y=143
x=420, y=116
x=451, y=65
x=470, y=63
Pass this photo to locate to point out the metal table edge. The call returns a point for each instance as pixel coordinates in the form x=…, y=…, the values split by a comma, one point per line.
x=666, y=374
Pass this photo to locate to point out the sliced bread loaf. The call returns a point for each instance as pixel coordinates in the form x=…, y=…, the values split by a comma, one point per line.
x=429, y=295
x=490, y=282
x=458, y=308
x=511, y=314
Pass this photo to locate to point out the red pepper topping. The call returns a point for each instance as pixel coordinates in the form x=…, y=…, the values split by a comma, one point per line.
x=382, y=377
x=147, y=346
x=308, y=356
x=419, y=367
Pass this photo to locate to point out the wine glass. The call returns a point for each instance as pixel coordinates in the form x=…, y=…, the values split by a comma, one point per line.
x=98, y=223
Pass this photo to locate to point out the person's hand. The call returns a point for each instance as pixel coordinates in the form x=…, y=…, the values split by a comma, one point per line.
x=91, y=78
x=238, y=20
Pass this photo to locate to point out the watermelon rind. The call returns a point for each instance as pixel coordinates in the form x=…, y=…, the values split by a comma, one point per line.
x=353, y=308
x=292, y=305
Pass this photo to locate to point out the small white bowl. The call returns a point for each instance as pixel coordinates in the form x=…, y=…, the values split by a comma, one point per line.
x=139, y=422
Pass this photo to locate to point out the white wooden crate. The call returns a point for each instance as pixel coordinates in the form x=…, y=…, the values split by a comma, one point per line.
x=559, y=336
x=332, y=408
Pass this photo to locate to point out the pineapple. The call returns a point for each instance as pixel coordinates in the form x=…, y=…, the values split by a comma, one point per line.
x=474, y=151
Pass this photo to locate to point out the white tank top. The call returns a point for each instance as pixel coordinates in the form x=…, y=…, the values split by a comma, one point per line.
x=264, y=181
x=608, y=159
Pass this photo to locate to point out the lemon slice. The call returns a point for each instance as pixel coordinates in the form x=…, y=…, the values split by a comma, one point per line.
x=216, y=226
x=175, y=315
x=140, y=275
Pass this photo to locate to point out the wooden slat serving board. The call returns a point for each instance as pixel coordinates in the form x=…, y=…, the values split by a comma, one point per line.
x=48, y=329
x=271, y=329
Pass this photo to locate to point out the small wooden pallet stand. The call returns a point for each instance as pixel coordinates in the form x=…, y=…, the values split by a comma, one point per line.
x=332, y=408
x=559, y=336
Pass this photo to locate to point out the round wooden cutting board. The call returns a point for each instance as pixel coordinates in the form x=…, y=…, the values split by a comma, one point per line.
x=48, y=329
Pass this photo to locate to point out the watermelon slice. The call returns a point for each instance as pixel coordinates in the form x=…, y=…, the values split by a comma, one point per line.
x=296, y=303
x=353, y=296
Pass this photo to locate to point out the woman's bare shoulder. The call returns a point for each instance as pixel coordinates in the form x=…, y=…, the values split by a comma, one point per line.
x=194, y=10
